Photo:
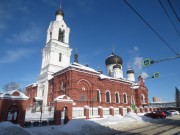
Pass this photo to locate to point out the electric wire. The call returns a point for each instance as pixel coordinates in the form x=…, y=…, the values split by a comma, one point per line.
x=173, y=10
x=151, y=28
x=169, y=18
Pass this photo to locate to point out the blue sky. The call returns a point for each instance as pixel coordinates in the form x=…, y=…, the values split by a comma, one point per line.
x=96, y=26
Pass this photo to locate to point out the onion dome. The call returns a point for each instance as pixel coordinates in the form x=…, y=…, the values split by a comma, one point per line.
x=113, y=59
x=76, y=57
x=117, y=66
x=60, y=12
x=130, y=71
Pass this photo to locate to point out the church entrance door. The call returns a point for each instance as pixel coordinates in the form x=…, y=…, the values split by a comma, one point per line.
x=12, y=114
x=64, y=116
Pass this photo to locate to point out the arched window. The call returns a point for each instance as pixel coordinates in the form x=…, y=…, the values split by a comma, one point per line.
x=132, y=100
x=63, y=87
x=61, y=35
x=108, y=98
x=117, y=97
x=142, y=98
x=125, y=98
x=98, y=96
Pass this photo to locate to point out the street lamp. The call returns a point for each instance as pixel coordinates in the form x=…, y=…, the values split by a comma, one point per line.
x=40, y=110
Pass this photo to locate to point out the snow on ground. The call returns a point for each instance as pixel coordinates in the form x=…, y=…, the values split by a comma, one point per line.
x=7, y=128
x=95, y=126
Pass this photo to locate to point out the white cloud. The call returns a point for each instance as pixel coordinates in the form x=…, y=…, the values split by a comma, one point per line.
x=137, y=64
x=28, y=78
x=144, y=75
x=134, y=51
x=9, y=9
x=27, y=36
x=136, y=48
x=15, y=55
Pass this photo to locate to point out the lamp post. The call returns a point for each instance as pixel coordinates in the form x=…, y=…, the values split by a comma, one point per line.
x=41, y=110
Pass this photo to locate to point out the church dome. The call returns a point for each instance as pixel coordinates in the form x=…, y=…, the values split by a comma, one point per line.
x=114, y=59
x=60, y=12
x=117, y=66
x=130, y=71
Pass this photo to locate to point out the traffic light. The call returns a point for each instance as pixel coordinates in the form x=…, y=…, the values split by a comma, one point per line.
x=156, y=75
x=133, y=106
x=146, y=62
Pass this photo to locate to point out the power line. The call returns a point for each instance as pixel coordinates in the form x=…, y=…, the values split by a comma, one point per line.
x=169, y=18
x=151, y=28
x=173, y=10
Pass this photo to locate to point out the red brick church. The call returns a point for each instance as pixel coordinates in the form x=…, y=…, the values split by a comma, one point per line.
x=63, y=83
x=76, y=90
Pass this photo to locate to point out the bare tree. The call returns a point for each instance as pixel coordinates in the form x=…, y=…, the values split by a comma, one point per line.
x=11, y=86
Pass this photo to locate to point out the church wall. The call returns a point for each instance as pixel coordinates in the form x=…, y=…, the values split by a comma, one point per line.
x=6, y=104
x=31, y=92
x=141, y=90
x=82, y=87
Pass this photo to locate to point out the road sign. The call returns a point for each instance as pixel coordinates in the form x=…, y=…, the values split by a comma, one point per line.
x=133, y=107
x=146, y=62
x=156, y=75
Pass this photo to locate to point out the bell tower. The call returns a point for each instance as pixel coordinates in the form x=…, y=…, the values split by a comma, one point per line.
x=56, y=53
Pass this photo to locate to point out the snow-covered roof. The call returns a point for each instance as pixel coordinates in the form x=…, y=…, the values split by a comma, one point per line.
x=135, y=86
x=32, y=84
x=38, y=99
x=104, y=76
x=85, y=68
x=162, y=102
x=77, y=65
x=101, y=76
x=63, y=98
x=14, y=94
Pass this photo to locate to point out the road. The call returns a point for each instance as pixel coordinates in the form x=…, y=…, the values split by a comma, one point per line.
x=168, y=126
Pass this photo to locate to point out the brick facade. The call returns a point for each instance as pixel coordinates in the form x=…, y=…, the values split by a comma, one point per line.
x=82, y=86
x=12, y=108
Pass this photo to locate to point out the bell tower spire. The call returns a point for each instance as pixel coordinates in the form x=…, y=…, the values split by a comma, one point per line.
x=60, y=4
x=76, y=56
x=56, y=53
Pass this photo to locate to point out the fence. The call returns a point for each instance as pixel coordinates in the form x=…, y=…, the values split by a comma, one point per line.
x=116, y=111
x=39, y=116
x=78, y=112
x=106, y=111
x=93, y=112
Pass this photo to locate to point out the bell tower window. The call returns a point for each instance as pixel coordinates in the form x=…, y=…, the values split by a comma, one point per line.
x=61, y=35
x=50, y=35
x=60, y=57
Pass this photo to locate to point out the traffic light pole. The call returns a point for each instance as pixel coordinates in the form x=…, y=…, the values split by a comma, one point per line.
x=153, y=61
x=148, y=62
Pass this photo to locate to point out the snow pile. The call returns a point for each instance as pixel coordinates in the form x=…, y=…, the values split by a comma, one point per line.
x=84, y=127
x=96, y=126
x=133, y=116
x=108, y=120
x=7, y=128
